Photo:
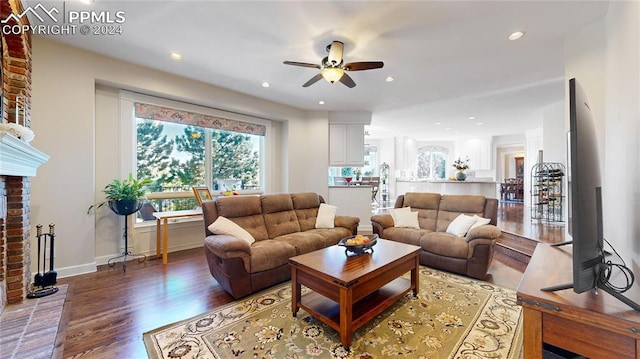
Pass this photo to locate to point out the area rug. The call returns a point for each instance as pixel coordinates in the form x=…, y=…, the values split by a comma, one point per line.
x=452, y=317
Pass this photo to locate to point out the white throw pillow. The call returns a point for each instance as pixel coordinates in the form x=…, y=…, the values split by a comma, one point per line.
x=223, y=225
x=406, y=219
x=461, y=225
x=399, y=212
x=479, y=221
x=326, y=216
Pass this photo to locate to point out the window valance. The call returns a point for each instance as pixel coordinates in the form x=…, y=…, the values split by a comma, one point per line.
x=153, y=112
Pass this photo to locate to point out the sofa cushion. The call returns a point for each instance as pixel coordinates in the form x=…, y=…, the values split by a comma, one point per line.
x=453, y=205
x=222, y=225
x=461, y=225
x=405, y=235
x=306, y=207
x=279, y=216
x=426, y=204
x=332, y=236
x=445, y=244
x=245, y=211
x=269, y=254
x=326, y=216
x=303, y=242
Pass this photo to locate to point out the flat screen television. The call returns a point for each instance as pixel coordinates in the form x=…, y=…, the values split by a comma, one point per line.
x=585, y=212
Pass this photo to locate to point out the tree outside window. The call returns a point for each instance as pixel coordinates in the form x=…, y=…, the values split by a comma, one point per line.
x=175, y=157
x=432, y=162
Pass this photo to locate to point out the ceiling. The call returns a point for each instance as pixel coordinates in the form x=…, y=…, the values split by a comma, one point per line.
x=450, y=59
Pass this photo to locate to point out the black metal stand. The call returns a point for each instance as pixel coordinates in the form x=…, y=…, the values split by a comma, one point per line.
x=44, y=283
x=126, y=253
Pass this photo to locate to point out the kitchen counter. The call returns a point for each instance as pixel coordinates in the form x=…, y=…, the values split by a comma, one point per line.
x=353, y=201
x=480, y=187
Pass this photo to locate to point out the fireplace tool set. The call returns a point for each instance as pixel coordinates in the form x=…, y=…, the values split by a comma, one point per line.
x=44, y=283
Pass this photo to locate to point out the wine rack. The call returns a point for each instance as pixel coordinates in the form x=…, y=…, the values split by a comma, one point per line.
x=547, y=196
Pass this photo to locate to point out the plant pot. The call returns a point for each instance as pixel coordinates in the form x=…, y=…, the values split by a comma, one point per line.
x=461, y=176
x=125, y=207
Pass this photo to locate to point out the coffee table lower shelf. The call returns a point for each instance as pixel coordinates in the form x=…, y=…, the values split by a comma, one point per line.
x=328, y=311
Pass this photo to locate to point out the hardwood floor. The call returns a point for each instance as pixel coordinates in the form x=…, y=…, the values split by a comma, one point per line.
x=106, y=312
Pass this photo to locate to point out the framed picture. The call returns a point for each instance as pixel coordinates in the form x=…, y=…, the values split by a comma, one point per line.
x=202, y=194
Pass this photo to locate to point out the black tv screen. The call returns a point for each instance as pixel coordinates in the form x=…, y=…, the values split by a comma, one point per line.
x=584, y=189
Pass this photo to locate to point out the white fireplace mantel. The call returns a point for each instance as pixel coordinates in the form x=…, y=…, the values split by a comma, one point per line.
x=18, y=158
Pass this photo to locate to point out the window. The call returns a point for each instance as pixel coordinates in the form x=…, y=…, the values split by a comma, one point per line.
x=179, y=149
x=432, y=162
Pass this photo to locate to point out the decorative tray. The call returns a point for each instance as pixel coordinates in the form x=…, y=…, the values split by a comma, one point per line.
x=370, y=240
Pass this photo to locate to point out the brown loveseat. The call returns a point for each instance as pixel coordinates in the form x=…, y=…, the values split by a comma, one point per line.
x=283, y=226
x=470, y=255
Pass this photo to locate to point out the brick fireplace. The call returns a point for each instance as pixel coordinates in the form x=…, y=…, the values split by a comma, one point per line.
x=18, y=163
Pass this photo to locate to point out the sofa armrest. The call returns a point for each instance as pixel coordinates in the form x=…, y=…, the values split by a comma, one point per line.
x=225, y=246
x=487, y=231
x=380, y=222
x=348, y=222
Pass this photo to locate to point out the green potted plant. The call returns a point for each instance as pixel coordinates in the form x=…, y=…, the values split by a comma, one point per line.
x=124, y=197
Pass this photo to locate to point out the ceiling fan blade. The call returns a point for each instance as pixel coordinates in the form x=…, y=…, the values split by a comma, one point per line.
x=335, y=53
x=302, y=64
x=313, y=80
x=348, y=81
x=366, y=65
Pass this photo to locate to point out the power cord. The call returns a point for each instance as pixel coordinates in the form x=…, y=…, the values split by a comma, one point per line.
x=607, y=270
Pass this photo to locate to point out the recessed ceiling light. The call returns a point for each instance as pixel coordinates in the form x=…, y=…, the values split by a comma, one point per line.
x=478, y=123
x=438, y=123
x=516, y=35
x=265, y=84
x=389, y=79
x=448, y=128
x=175, y=55
x=320, y=102
x=471, y=118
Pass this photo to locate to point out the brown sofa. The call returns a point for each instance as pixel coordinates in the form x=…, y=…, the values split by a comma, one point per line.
x=470, y=255
x=283, y=226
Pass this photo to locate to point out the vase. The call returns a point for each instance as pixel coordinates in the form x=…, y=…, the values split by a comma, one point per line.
x=460, y=175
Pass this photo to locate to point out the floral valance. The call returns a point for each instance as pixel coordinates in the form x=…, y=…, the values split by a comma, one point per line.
x=153, y=112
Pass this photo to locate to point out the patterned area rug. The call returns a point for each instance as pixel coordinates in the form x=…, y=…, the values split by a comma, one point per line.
x=453, y=317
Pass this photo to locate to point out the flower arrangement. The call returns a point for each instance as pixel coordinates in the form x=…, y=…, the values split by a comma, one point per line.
x=23, y=133
x=461, y=165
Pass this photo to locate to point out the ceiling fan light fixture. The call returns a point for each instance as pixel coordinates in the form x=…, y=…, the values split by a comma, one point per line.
x=332, y=74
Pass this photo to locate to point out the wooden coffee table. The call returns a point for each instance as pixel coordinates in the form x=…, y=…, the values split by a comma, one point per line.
x=347, y=292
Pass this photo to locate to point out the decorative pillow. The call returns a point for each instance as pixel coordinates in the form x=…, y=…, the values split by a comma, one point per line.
x=326, y=216
x=399, y=212
x=461, y=225
x=479, y=221
x=406, y=219
x=223, y=225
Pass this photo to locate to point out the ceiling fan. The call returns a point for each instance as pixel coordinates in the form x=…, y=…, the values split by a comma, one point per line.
x=333, y=66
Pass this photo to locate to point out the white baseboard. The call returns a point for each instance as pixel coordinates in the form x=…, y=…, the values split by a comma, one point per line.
x=76, y=270
x=365, y=228
x=105, y=259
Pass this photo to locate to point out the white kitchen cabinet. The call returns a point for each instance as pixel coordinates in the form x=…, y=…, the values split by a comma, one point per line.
x=346, y=145
x=478, y=151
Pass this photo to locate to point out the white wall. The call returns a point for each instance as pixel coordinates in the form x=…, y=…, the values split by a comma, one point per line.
x=604, y=59
x=622, y=130
x=81, y=143
x=554, y=136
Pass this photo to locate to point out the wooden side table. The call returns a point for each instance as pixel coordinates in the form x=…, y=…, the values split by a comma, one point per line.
x=162, y=224
x=595, y=325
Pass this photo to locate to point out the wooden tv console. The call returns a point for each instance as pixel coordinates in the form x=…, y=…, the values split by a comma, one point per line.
x=592, y=324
